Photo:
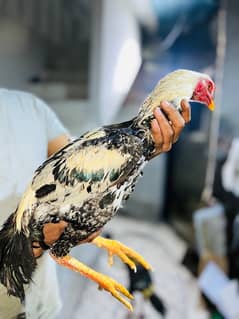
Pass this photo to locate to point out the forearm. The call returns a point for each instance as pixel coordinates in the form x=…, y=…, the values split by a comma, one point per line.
x=57, y=143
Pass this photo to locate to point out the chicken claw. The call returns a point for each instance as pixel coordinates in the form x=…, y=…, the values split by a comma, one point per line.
x=103, y=281
x=126, y=254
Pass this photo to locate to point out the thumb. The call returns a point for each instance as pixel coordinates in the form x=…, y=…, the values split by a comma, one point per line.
x=62, y=225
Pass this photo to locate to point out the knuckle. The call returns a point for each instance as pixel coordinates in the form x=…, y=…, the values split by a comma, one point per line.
x=158, y=140
x=189, y=118
x=170, y=134
x=167, y=147
x=181, y=124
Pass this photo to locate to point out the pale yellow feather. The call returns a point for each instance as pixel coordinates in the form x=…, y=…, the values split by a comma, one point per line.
x=94, y=158
x=27, y=201
x=180, y=83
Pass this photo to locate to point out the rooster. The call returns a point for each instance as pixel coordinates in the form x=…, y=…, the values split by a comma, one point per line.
x=84, y=184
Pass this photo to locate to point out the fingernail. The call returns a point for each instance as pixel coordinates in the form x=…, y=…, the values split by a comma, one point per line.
x=157, y=110
x=166, y=103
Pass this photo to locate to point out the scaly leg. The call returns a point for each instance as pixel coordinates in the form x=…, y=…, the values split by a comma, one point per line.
x=104, y=281
x=126, y=254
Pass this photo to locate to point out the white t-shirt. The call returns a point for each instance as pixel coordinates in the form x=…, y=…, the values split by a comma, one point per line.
x=26, y=127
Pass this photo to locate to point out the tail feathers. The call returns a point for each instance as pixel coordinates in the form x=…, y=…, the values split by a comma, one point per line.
x=17, y=262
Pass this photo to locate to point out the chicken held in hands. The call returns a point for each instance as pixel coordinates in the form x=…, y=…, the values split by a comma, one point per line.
x=84, y=184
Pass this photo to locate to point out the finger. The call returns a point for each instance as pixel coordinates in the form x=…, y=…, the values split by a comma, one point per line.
x=166, y=130
x=175, y=119
x=156, y=133
x=62, y=225
x=56, y=228
x=52, y=231
x=186, y=110
x=35, y=244
x=37, y=252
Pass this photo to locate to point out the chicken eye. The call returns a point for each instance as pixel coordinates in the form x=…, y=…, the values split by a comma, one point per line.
x=209, y=87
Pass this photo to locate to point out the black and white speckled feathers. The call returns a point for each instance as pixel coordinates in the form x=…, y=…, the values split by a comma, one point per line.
x=84, y=184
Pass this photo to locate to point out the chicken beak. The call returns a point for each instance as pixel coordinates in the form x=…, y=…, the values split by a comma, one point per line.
x=211, y=105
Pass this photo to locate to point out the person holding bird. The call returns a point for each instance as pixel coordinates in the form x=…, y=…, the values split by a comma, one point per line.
x=36, y=226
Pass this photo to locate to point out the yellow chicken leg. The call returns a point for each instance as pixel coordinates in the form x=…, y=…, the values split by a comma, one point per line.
x=104, y=281
x=126, y=254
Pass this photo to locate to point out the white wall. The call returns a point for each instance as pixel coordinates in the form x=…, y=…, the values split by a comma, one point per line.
x=21, y=56
x=117, y=56
x=115, y=61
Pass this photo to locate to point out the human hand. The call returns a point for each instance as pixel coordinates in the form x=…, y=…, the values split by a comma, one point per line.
x=51, y=232
x=166, y=128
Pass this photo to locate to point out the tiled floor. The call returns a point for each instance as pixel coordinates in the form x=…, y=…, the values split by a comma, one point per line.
x=162, y=248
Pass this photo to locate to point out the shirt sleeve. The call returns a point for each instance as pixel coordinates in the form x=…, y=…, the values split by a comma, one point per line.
x=54, y=127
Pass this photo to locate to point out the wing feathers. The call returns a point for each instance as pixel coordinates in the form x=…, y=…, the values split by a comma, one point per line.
x=82, y=171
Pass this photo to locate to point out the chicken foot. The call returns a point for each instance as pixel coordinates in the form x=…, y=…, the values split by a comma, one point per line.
x=126, y=254
x=103, y=281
